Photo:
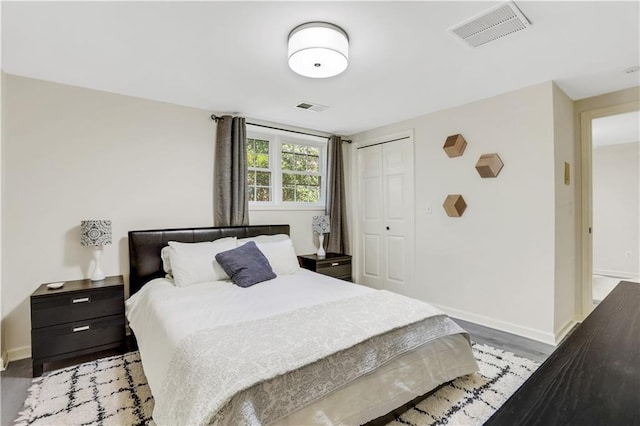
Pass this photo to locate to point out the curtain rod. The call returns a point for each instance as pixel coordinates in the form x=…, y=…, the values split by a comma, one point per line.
x=380, y=143
x=216, y=118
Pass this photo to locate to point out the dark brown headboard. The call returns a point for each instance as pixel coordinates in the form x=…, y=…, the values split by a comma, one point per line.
x=145, y=246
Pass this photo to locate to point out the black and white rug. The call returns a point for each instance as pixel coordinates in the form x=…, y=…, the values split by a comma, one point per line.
x=114, y=391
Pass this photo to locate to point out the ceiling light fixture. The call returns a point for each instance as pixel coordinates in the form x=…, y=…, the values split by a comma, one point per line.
x=318, y=50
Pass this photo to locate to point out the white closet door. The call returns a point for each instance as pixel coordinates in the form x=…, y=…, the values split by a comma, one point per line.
x=386, y=216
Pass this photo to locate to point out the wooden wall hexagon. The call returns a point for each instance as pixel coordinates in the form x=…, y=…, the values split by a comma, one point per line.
x=454, y=205
x=454, y=146
x=489, y=165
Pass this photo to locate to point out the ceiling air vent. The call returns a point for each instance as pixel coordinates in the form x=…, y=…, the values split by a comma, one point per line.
x=311, y=107
x=491, y=25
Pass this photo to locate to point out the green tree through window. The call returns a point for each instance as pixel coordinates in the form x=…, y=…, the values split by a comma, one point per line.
x=259, y=174
x=301, y=177
x=285, y=170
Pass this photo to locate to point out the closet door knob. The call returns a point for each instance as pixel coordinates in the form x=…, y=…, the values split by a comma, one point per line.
x=387, y=228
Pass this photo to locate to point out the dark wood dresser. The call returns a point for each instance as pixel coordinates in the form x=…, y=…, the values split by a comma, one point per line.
x=334, y=264
x=82, y=317
x=592, y=378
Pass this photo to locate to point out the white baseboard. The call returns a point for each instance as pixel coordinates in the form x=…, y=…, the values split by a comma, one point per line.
x=509, y=327
x=615, y=274
x=4, y=360
x=19, y=353
x=566, y=328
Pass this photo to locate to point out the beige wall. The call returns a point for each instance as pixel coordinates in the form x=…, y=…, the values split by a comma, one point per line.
x=72, y=154
x=616, y=212
x=566, y=250
x=496, y=265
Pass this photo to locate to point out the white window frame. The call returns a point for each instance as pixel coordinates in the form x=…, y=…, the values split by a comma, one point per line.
x=276, y=138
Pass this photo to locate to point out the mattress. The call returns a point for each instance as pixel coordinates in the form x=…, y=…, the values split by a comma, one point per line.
x=162, y=315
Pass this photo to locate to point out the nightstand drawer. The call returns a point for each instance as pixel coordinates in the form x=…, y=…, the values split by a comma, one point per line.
x=61, y=339
x=335, y=265
x=335, y=269
x=76, y=306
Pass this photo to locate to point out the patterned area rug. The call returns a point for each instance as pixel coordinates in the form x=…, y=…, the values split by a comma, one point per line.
x=114, y=391
x=471, y=400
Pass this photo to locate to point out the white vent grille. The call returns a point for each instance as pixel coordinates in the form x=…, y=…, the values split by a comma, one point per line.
x=311, y=107
x=491, y=25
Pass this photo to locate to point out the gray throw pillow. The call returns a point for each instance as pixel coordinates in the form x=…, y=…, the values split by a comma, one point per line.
x=246, y=265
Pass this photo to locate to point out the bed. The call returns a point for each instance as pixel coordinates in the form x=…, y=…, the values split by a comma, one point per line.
x=302, y=348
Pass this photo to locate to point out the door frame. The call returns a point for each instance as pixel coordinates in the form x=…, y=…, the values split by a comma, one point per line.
x=586, y=119
x=355, y=196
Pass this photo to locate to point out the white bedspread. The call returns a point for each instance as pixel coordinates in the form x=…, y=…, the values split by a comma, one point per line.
x=163, y=317
x=161, y=314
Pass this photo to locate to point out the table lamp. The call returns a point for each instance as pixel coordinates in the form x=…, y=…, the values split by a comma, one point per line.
x=96, y=233
x=321, y=225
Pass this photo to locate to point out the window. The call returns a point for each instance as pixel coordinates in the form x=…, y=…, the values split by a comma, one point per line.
x=285, y=170
x=259, y=175
x=301, y=176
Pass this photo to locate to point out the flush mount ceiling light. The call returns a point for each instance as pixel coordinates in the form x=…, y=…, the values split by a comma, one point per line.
x=318, y=50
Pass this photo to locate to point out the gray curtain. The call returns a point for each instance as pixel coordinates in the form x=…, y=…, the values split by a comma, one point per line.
x=338, y=238
x=230, y=189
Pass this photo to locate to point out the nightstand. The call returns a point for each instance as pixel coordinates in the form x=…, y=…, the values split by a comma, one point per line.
x=80, y=318
x=334, y=264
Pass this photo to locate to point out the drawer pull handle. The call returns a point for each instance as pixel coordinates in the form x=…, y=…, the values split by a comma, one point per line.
x=335, y=264
x=81, y=300
x=83, y=328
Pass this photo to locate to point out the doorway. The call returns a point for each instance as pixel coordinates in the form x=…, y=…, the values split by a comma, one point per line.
x=610, y=191
x=616, y=187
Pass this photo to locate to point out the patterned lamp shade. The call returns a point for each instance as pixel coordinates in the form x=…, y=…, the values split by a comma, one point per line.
x=95, y=232
x=321, y=224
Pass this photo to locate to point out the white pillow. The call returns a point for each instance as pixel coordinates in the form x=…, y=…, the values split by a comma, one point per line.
x=264, y=239
x=193, y=263
x=166, y=261
x=280, y=254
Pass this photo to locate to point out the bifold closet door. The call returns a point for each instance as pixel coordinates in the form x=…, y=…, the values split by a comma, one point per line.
x=386, y=215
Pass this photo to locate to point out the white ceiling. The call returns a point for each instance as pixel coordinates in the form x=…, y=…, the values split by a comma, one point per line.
x=616, y=129
x=232, y=56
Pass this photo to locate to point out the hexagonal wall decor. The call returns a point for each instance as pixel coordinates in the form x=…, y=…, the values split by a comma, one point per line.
x=454, y=146
x=454, y=205
x=489, y=165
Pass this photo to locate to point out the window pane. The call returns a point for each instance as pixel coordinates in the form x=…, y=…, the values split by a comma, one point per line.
x=263, y=178
x=314, y=194
x=263, y=194
x=287, y=161
x=288, y=193
x=313, y=164
x=258, y=153
x=288, y=147
x=252, y=193
x=311, y=150
x=262, y=161
x=288, y=179
x=251, y=152
x=302, y=149
x=262, y=147
x=300, y=162
x=251, y=177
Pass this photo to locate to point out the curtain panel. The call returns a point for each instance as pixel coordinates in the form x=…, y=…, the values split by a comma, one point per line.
x=338, y=239
x=230, y=188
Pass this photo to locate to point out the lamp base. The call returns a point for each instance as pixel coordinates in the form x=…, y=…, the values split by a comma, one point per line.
x=321, y=252
x=97, y=275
